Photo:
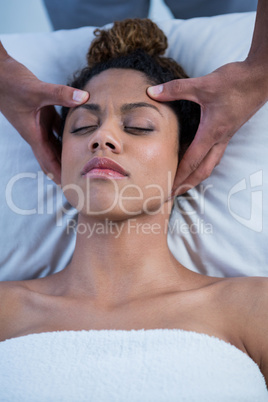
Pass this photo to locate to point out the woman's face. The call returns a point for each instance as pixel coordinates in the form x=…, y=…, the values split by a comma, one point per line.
x=119, y=124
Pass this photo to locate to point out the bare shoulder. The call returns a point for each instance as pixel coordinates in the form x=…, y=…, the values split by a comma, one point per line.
x=14, y=297
x=10, y=295
x=245, y=300
x=246, y=296
x=256, y=326
x=240, y=286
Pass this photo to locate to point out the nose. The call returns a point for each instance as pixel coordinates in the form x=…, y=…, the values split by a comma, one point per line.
x=106, y=137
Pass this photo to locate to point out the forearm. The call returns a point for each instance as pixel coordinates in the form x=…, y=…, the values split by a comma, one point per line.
x=4, y=69
x=257, y=58
x=259, y=45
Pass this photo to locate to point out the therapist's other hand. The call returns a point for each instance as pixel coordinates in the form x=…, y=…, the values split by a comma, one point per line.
x=28, y=103
x=228, y=97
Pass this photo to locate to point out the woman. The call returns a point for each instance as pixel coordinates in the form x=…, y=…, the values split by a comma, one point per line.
x=120, y=153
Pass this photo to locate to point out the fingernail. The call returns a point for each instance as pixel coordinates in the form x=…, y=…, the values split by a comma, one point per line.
x=155, y=90
x=80, y=96
x=50, y=176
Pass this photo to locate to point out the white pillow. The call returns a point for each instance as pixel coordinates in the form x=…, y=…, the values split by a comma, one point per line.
x=222, y=232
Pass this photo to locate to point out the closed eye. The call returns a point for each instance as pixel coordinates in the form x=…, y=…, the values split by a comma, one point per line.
x=138, y=130
x=132, y=130
x=84, y=130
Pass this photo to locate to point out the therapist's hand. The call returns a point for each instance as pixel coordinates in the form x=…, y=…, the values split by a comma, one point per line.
x=28, y=103
x=228, y=97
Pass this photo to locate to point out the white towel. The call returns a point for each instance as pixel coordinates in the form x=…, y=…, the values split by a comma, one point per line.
x=115, y=365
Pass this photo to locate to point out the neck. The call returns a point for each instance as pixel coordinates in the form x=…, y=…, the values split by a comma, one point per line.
x=118, y=261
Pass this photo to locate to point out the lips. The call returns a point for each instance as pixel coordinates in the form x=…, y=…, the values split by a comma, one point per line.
x=103, y=167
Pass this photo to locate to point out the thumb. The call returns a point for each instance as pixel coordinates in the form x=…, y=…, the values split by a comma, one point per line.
x=175, y=90
x=62, y=95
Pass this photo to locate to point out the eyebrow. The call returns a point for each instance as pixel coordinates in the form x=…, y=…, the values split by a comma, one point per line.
x=94, y=107
x=130, y=106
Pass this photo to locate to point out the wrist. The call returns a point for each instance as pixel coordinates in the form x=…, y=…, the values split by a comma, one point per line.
x=5, y=67
x=257, y=73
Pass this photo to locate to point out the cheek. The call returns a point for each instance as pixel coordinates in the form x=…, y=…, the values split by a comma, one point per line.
x=160, y=159
x=155, y=173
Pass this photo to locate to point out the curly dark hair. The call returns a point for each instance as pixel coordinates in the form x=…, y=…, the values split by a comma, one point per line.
x=139, y=44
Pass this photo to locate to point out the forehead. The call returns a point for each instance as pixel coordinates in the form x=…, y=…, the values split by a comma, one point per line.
x=122, y=86
x=118, y=83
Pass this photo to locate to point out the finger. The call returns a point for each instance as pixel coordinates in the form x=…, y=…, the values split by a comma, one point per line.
x=62, y=95
x=48, y=119
x=48, y=148
x=56, y=146
x=53, y=171
x=57, y=123
x=175, y=90
x=204, y=169
x=194, y=155
x=48, y=161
